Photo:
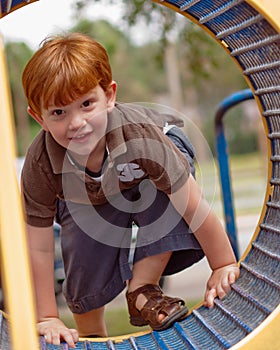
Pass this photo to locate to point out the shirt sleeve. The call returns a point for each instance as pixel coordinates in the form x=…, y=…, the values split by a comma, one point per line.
x=38, y=192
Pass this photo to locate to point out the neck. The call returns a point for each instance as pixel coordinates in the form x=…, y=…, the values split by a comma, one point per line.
x=94, y=160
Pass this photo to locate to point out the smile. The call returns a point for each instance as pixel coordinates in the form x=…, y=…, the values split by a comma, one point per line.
x=81, y=138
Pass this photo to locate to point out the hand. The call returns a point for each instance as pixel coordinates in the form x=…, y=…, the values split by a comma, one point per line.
x=54, y=330
x=219, y=283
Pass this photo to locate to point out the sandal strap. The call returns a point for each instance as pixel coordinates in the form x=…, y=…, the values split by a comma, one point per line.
x=156, y=303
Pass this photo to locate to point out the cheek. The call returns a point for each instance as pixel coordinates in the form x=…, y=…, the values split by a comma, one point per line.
x=58, y=132
x=44, y=126
x=99, y=122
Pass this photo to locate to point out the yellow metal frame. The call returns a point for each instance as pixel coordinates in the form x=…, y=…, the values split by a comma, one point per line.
x=15, y=266
x=14, y=259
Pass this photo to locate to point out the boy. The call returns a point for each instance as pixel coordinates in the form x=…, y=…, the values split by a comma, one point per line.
x=98, y=166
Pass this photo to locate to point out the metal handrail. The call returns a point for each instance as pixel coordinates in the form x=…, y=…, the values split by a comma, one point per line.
x=224, y=170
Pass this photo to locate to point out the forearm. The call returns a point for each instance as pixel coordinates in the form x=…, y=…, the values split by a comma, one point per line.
x=214, y=242
x=41, y=250
x=44, y=285
x=212, y=237
x=204, y=224
x=42, y=261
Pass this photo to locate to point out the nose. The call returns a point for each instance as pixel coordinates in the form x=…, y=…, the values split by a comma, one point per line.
x=77, y=121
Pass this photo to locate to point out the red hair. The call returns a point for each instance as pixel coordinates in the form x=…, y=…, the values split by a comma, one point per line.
x=64, y=68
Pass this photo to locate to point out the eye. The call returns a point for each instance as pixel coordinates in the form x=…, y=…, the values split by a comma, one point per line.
x=87, y=103
x=58, y=112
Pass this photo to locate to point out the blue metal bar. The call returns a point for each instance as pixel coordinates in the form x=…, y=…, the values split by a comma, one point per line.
x=222, y=156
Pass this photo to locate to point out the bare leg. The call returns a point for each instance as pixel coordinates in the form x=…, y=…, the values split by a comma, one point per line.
x=91, y=323
x=148, y=271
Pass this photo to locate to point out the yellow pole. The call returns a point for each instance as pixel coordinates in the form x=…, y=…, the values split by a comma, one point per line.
x=15, y=268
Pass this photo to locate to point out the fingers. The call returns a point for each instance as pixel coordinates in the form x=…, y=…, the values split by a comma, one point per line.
x=219, y=285
x=52, y=338
x=209, y=297
x=224, y=288
x=54, y=331
x=232, y=278
x=55, y=337
x=71, y=337
x=75, y=334
x=212, y=293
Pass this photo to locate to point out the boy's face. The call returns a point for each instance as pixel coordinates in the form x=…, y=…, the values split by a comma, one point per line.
x=80, y=125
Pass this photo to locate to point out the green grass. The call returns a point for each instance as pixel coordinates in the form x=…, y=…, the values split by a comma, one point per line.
x=248, y=180
x=117, y=322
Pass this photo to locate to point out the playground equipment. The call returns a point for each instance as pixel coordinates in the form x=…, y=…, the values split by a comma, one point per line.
x=222, y=157
x=249, y=317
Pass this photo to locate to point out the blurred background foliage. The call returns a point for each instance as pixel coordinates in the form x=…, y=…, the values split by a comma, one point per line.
x=176, y=64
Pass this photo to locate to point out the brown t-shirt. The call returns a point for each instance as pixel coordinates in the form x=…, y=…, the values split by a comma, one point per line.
x=137, y=150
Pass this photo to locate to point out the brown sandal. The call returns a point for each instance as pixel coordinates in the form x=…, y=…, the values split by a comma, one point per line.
x=157, y=303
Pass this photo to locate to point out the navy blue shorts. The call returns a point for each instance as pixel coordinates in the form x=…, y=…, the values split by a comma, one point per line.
x=96, y=252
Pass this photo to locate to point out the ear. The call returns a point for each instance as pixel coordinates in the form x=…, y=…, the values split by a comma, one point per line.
x=111, y=95
x=38, y=118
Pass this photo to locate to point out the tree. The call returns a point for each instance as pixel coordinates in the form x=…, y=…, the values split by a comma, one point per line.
x=138, y=76
x=162, y=25
x=17, y=56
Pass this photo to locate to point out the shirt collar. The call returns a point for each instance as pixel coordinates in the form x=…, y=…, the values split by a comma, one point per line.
x=115, y=137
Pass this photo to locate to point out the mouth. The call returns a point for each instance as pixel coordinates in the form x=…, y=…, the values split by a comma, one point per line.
x=81, y=138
